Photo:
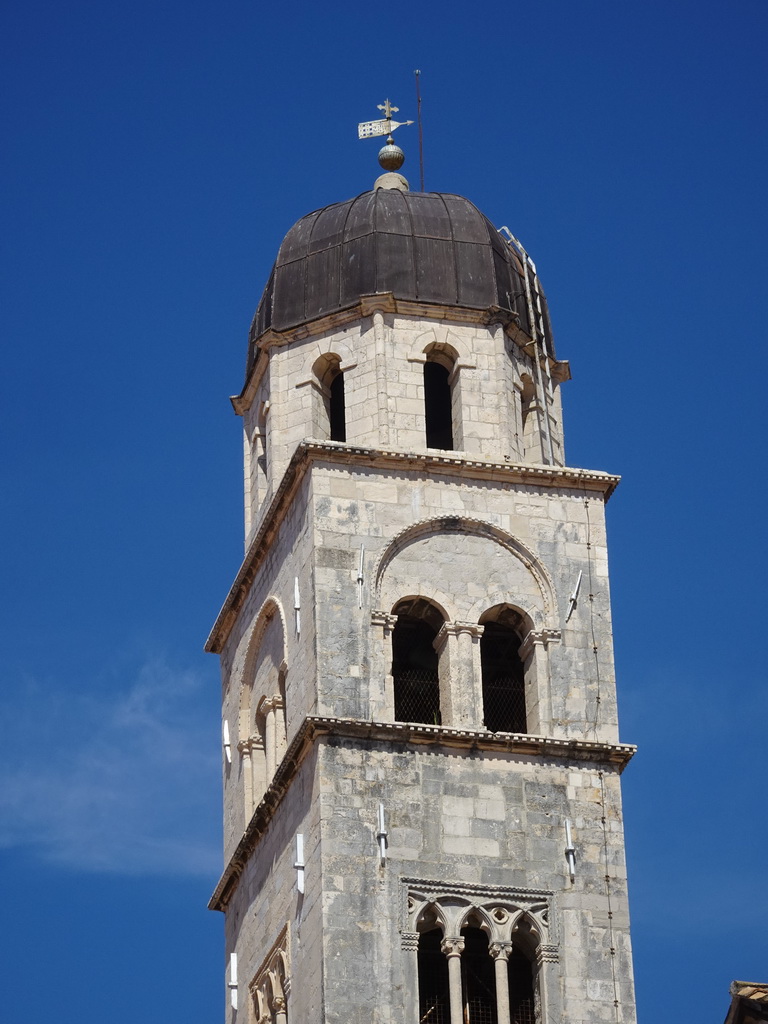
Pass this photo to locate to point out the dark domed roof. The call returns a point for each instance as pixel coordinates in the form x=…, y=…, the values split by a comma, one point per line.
x=424, y=247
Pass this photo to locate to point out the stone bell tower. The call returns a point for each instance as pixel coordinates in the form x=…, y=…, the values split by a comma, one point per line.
x=422, y=809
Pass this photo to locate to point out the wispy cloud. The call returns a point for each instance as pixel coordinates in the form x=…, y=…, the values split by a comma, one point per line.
x=114, y=782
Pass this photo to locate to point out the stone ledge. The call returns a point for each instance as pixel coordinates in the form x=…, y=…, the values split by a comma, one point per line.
x=455, y=464
x=614, y=755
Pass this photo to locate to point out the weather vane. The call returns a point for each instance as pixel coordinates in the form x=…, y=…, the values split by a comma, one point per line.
x=391, y=157
x=385, y=126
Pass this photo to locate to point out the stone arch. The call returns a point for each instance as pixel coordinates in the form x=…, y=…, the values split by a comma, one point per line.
x=476, y=917
x=262, y=723
x=270, y=611
x=542, y=616
x=325, y=347
x=431, y=915
x=448, y=341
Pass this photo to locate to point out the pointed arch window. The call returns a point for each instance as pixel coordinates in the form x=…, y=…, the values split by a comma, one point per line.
x=415, y=662
x=474, y=980
x=503, y=671
x=434, y=992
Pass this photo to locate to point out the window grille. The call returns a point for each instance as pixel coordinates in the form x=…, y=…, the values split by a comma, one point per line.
x=417, y=696
x=415, y=671
x=503, y=680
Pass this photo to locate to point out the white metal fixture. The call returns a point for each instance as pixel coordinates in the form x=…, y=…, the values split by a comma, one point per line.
x=381, y=836
x=232, y=984
x=574, y=596
x=570, y=850
x=360, y=577
x=299, y=865
x=227, y=744
x=297, y=604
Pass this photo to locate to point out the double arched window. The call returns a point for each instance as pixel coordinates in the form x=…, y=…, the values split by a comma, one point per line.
x=434, y=660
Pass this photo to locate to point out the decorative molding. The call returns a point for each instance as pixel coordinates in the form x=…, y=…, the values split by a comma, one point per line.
x=504, y=912
x=547, y=953
x=272, y=981
x=409, y=941
x=434, y=525
x=386, y=621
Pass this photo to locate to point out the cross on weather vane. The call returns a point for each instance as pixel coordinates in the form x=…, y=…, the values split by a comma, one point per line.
x=385, y=126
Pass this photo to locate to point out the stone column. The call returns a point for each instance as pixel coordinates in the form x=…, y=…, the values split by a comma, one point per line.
x=267, y=708
x=534, y=652
x=279, y=713
x=458, y=648
x=244, y=748
x=409, y=943
x=382, y=695
x=500, y=952
x=453, y=948
x=278, y=1009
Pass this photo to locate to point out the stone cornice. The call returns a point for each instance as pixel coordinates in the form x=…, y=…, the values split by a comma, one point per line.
x=454, y=464
x=562, y=751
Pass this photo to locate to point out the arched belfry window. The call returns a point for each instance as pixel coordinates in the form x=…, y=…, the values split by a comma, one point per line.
x=477, y=977
x=494, y=981
x=330, y=416
x=439, y=400
x=434, y=992
x=336, y=410
x=522, y=999
x=503, y=670
x=415, y=662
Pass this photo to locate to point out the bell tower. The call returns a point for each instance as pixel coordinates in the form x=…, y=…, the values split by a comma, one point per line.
x=422, y=808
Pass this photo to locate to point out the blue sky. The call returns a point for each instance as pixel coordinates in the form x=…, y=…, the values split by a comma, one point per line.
x=157, y=153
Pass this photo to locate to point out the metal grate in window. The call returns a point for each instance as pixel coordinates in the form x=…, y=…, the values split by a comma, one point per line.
x=417, y=695
x=504, y=704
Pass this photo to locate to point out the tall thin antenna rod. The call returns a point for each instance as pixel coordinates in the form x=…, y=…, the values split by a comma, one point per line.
x=417, y=75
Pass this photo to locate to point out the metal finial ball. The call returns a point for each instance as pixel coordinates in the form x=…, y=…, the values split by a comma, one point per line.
x=391, y=157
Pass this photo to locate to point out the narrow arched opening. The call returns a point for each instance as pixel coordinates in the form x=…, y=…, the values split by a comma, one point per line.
x=415, y=670
x=336, y=410
x=330, y=413
x=434, y=991
x=477, y=978
x=522, y=999
x=503, y=671
x=438, y=405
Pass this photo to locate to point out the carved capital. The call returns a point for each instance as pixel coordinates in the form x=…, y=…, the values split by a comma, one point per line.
x=267, y=704
x=500, y=950
x=453, y=946
x=538, y=638
x=383, y=619
x=409, y=940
